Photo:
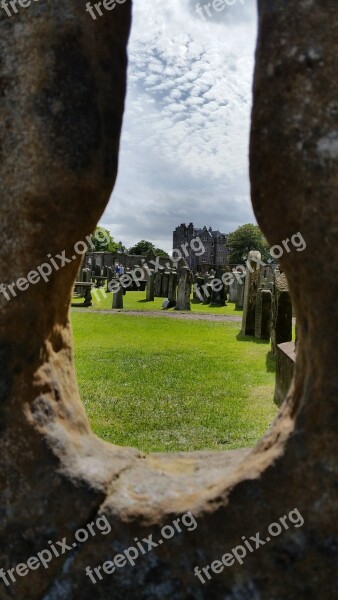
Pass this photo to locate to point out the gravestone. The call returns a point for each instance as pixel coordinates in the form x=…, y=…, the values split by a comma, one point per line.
x=118, y=297
x=285, y=366
x=172, y=286
x=263, y=314
x=233, y=291
x=196, y=289
x=150, y=287
x=252, y=282
x=110, y=276
x=199, y=289
x=218, y=292
x=165, y=284
x=206, y=288
x=281, y=318
x=240, y=293
x=185, y=281
x=158, y=282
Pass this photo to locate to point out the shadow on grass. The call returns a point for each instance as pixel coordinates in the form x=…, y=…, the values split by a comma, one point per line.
x=250, y=338
x=208, y=305
x=146, y=301
x=270, y=361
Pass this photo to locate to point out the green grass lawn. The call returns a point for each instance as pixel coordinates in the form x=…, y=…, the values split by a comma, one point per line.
x=136, y=301
x=172, y=385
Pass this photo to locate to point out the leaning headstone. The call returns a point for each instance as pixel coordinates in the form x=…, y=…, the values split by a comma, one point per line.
x=263, y=314
x=150, y=288
x=118, y=297
x=281, y=319
x=185, y=281
x=252, y=282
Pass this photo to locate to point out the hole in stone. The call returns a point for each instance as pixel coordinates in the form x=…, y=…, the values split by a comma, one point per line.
x=205, y=386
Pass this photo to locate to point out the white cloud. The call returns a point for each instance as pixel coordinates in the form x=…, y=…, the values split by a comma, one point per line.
x=184, y=150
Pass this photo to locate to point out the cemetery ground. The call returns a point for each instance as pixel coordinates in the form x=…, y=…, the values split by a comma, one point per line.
x=172, y=385
x=136, y=301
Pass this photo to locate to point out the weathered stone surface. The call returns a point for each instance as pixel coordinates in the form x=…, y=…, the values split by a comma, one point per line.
x=165, y=284
x=240, y=294
x=185, y=281
x=263, y=314
x=57, y=170
x=172, y=288
x=233, y=291
x=150, y=288
x=285, y=366
x=118, y=298
x=252, y=281
x=158, y=283
x=281, y=311
x=218, y=292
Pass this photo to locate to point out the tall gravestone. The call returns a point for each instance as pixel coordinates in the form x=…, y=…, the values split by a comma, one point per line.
x=263, y=314
x=118, y=296
x=172, y=287
x=240, y=293
x=110, y=276
x=207, y=278
x=165, y=284
x=281, y=320
x=218, y=291
x=150, y=287
x=252, y=282
x=198, y=288
x=158, y=282
x=233, y=291
x=185, y=281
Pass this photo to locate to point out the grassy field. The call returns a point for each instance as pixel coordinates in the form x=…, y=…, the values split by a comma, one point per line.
x=136, y=301
x=172, y=385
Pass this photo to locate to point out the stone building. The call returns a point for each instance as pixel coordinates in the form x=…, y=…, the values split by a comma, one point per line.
x=214, y=242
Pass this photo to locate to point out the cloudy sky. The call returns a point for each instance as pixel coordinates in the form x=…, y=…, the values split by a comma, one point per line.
x=184, y=151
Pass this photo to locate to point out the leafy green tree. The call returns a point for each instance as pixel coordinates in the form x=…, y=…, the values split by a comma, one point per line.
x=102, y=241
x=160, y=252
x=245, y=238
x=144, y=247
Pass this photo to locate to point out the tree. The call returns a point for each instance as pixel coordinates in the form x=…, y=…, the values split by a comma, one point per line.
x=245, y=238
x=144, y=247
x=103, y=241
x=160, y=252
